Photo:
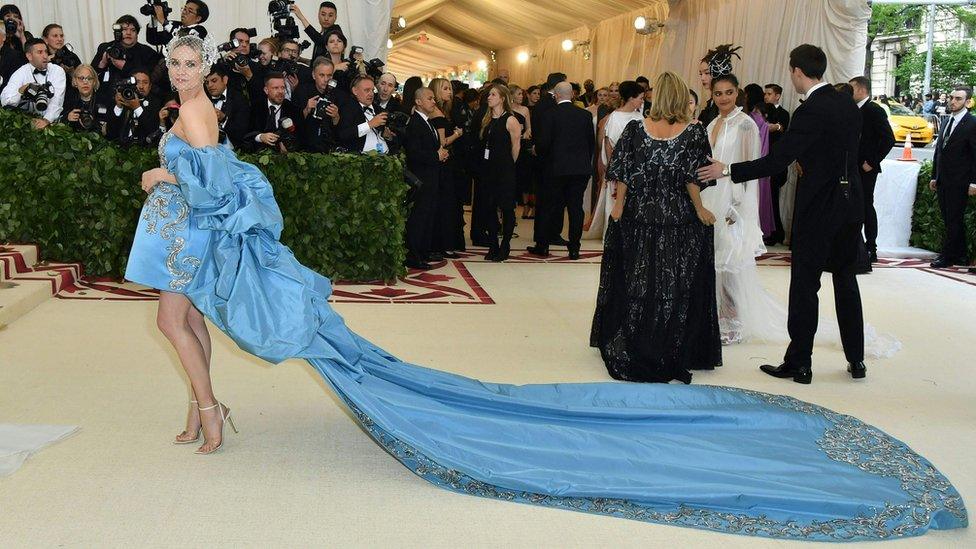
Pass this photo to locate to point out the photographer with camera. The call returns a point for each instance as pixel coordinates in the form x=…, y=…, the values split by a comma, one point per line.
x=327, y=20
x=161, y=31
x=113, y=60
x=131, y=120
x=336, y=47
x=233, y=110
x=59, y=52
x=288, y=63
x=240, y=59
x=363, y=127
x=274, y=121
x=14, y=38
x=37, y=87
x=81, y=112
x=320, y=101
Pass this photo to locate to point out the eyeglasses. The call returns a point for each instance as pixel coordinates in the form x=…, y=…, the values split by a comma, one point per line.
x=85, y=78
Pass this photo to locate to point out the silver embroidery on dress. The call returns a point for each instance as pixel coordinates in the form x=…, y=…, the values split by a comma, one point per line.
x=156, y=210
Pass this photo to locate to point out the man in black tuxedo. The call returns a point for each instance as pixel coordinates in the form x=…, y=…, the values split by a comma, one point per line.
x=133, y=121
x=424, y=158
x=362, y=127
x=268, y=118
x=877, y=139
x=192, y=17
x=823, y=138
x=239, y=77
x=386, y=87
x=320, y=126
x=954, y=172
x=233, y=110
x=566, y=140
x=540, y=112
x=779, y=121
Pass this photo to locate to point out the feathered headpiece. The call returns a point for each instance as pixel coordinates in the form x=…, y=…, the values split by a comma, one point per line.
x=206, y=46
x=719, y=60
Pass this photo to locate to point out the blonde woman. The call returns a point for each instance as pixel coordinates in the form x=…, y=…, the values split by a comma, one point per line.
x=656, y=315
x=448, y=235
x=501, y=143
x=79, y=100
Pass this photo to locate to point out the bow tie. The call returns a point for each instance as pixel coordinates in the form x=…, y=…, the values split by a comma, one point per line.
x=368, y=109
x=39, y=71
x=219, y=98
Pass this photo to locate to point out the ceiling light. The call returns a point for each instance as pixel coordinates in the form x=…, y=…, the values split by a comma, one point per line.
x=389, y=43
x=568, y=45
x=482, y=65
x=401, y=22
x=640, y=23
x=648, y=26
x=523, y=57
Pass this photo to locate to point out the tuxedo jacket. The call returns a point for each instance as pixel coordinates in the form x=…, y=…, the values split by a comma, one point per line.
x=351, y=115
x=259, y=123
x=238, y=112
x=955, y=157
x=823, y=138
x=781, y=116
x=877, y=139
x=566, y=139
x=143, y=127
x=421, y=145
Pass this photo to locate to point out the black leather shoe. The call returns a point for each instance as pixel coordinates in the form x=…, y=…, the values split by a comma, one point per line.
x=873, y=257
x=864, y=268
x=560, y=242
x=538, y=250
x=858, y=371
x=784, y=371
x=434, y=257
x=415, y=264
x=574, y=253
x=942, y=263
x=451, y=255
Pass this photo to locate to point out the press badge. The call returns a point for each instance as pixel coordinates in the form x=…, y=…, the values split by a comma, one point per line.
x=487, y=154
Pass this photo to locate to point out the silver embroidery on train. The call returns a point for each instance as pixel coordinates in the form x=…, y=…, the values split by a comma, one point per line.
x=157, y=210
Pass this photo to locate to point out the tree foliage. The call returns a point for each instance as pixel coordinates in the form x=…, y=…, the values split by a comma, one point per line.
x=953, y=63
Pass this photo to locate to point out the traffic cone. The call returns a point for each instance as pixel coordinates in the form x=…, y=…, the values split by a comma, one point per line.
x=906, y=153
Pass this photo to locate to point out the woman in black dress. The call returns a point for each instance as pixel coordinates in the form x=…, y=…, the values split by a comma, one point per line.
x=500, y=143
x=656, y=313
x=448, y=236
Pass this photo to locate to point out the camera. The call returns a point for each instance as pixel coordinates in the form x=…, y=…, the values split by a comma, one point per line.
x=281, y=20
x=86, y=119
x=149, y=9
x=324, y=102
x=115, y=48
x=285, y=66
x=229, y=46
x=127, y=89
x=397, y=122
x=66, y=58
x=286, y=134
x=38, y=96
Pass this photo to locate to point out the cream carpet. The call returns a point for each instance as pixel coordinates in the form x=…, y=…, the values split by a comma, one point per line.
x=301, y=473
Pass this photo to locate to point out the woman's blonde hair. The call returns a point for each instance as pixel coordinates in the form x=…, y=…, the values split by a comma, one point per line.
x=89, y=68
x=671, y=97
x=444, y=106
x=506, y=105
x=514, y=89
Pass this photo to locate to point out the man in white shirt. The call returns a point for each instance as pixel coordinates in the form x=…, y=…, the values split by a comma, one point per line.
x=38, y=75
x=362, y=125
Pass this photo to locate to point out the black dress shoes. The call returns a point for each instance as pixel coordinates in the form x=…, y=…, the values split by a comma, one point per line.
x=784, y=371
x=873, y=257
x=574, y=253
x=560, y=242
x=538, y=250
x=942, y=263
x=417, y=264
x=434, y=257
x=858, y=370
x=451, y=255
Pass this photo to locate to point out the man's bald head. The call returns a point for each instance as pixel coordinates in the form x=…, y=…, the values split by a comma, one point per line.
x=563, y=90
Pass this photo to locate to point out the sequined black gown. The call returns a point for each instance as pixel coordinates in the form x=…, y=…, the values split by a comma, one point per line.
x=656, y=315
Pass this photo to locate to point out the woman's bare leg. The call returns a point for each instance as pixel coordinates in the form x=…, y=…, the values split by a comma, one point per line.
x=199, y=327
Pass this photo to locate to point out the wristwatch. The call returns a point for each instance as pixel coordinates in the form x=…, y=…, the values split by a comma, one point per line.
x=726, y=170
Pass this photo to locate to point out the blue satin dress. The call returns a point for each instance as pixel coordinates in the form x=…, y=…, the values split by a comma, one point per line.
x=716, y=458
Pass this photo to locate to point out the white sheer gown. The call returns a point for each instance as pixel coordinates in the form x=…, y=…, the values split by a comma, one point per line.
x=747, y=312
x=614, y=126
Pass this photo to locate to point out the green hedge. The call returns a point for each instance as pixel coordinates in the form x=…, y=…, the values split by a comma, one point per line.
x=77, y=196
x=928, y=230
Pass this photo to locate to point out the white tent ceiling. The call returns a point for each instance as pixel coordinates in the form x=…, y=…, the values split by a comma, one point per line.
x=461, y=32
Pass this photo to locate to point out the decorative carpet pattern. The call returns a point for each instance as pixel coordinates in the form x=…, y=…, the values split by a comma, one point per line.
x=449, y=282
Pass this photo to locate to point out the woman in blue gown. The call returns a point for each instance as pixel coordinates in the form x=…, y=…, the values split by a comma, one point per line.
x=715, y=458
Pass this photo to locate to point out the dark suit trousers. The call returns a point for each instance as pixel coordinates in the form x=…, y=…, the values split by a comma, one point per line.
x=804, y=307
x=870, y=214
x=563, y=192
x=776, y=183
x=952, y=204
x=420, y=222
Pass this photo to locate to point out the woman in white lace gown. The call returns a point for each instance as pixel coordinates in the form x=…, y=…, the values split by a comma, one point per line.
x=613, y=126
x=747, y=312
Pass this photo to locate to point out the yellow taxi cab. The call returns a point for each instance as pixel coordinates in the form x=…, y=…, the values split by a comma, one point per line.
x=904, y=121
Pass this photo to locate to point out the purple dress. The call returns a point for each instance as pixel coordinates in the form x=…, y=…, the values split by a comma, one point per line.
x=766, y=219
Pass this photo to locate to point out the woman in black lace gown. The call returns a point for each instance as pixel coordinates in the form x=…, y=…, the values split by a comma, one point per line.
x=656, y=315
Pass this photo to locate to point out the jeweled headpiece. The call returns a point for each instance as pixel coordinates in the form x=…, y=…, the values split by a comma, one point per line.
x=206, y=46
x=719, y=60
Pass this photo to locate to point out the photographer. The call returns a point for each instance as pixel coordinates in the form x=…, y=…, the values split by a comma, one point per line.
x=37, y=87
x=320, y=102
x=81, y=112
x=241, y=63
x=233, y=111
x=295, y=73
x=362, y=127
x=387, y=86
x=132, y=119
x=327, y=20
x=274, y=121
x=59, y=53
x=336, y=47
x=113, y=60
x=14, y=39
x=192, y=17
